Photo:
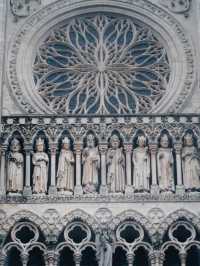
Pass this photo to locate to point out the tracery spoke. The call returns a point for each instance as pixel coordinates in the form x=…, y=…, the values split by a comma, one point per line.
x=101, y=64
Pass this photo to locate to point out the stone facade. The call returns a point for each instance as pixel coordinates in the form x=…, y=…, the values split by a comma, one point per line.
x=73, y=170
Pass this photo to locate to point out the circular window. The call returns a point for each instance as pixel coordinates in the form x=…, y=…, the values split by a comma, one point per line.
x=89, y=58
x=101, y=64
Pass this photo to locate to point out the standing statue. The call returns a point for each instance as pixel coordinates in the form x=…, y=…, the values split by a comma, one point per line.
x=65, y=173
x=191, y=164
x=165, y=162
x=91, y=165
x=104, y=248
x=141, y=163
x=15, y=168
x=40, y=172
x=116, y=166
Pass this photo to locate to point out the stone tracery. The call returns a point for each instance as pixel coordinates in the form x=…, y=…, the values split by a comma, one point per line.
x=101, y=64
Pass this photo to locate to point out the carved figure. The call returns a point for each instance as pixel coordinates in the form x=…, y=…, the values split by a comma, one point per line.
x=40, y=173
x=191, y=164
x=104, y=248
x=116, y=166
x=165, y=165
x=91, y=164
x=15, y=168
x=65, y=173
x=141, y=163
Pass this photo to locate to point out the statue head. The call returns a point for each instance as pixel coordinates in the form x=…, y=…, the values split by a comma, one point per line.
x=188, y=140
x=164, y=141
x=115, y=141
x=15, y=145
x=66, y=143
x=141, y=141
x=90, y=141
x=40, y=145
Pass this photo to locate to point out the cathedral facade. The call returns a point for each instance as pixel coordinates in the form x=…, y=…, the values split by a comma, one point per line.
x=100, y=133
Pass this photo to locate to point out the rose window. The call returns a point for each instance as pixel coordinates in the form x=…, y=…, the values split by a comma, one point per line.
x=101, y=64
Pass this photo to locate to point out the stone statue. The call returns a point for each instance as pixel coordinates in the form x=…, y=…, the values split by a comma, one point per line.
x=91, y=164
x=165, y=162
x=141, y=163
x=65, y=173
x=104, y=248
x=116, y=166
x=40, y=172
x=15, y=168
x=191, y=164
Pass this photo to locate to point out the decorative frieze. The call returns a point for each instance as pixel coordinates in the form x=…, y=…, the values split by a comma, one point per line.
x=78, y=159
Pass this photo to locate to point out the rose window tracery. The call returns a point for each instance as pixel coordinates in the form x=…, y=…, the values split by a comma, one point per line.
x=101, y=64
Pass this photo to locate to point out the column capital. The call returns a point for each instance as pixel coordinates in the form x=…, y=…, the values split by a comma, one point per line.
x=77, y=257
x=53, y=147
x=130, y=258
x=25, y=258
x=128, y=147
x=103, y=148
x=51, y=258
x=78, y=147
x=178, y=147
x=156, y=257
x=4, y=148
x=153, y=147
x=28, y=147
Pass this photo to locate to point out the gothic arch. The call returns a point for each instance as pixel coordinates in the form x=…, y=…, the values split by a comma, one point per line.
x=30, y=216
x=132, y=215
x=83, y=216
x=174, y=216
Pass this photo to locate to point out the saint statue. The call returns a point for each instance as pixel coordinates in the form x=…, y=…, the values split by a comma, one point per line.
x=116, y=166
x=165, y=162
x=65, y=173
x=141, y=164
x=104, y=248
x=15, y=168
x=40, y=172
x=191, y=164
x=91, y=165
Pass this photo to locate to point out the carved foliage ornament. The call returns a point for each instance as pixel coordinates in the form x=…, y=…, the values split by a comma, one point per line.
x=23, y=8
x=101, y=64
x=177, y=6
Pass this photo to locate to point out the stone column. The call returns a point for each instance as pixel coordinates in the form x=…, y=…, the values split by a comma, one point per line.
x=3, y=171
x=24, y=258
x=156, y=258
x=52, y=188
x=103, y=150
x=3, y=258
x=78, y=188
x=154, y=186
x=77, y=258
x=129, y=188
x=130, y=258
x=179, y=187
x=27, y=188
x=51, y=258
x=183, y=256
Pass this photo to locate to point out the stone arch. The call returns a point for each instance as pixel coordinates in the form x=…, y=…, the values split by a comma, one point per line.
x=10, y=221
x=92, y=132
x=174, y=216
x=83, y=216
x=15, y=133
x=135, y=216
